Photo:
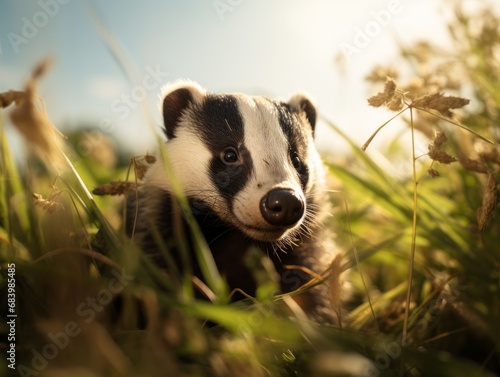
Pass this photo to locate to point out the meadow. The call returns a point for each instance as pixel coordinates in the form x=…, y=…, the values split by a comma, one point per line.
x=421, y=244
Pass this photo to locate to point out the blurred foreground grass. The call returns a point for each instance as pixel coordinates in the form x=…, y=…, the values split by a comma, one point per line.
x=88, y=303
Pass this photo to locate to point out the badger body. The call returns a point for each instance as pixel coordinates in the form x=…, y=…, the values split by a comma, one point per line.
x=253, y=179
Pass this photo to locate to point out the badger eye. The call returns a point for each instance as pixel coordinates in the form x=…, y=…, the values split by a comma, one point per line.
x=229, y=156
x=296, y=161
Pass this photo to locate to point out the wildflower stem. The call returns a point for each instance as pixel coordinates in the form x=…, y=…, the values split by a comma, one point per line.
x=455, y=123
x=413, y=231
x=367, y=143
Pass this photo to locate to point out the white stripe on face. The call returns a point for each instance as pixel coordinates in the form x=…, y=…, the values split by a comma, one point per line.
x=188, y=157
x=272, y=167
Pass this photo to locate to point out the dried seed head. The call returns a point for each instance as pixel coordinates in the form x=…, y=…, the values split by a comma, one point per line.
x=377, y=100
x=150, y=159
x=422, y=51
x=380, y=74
x=490, y=201
x=441, y=103
x=433, y=173
x=414, y=88
x=473, y=165
x=491, y=154
x=441, y=156
x=384, y=97
x=140, y=170
x=48, y=204
x=435, y=152
x=440, y=139
x=31, y=120
x=140, y=165
x=395, y=104
x=41, y=68
x=114, y=188
x=12, y=96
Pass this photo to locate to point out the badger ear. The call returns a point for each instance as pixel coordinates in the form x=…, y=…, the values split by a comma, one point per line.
x=301, y=103
x=177, y=98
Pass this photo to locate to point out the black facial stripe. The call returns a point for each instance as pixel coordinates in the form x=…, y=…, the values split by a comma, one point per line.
x=230, y=179
x=219, y=122
x=296, y=134
x=220, y=125
x=303, y=175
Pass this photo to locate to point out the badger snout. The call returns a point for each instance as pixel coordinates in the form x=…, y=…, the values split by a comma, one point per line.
x=282, y=207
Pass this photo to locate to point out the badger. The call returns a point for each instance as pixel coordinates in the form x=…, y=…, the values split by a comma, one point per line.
x=253, y=178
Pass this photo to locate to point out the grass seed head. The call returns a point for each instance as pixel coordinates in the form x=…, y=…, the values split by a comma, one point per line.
x=150, y=159
x=140, y=170
x=114, y=188
x=433, y=173
x=441, y=103
x=31, y=120
x=380, y=74
x=48, y=204
x=473, y=165
x=10, y=97
x=384, y=97
x=435, y=152
x=490, y=201
x=441, y=156
x=440, y=139
x=140, y=165
x=395, y=104
x=491, y=154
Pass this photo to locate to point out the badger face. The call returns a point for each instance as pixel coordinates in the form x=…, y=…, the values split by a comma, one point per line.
x=250, y=160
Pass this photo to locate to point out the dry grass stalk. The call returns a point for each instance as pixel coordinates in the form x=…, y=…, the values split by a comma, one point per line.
x=114, y=188
x=31, y=120
x=490, y=201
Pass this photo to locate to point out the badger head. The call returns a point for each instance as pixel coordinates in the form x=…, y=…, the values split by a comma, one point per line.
x=250, y=160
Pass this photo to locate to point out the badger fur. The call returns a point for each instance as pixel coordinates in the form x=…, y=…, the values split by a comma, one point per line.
x=253, y=178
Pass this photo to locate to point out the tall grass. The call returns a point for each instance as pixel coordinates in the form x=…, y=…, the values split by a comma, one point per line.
x=90, y=303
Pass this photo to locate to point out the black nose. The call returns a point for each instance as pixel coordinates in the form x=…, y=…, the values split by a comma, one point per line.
x=282, y=207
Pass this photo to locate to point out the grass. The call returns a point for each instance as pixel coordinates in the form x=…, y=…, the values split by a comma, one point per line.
x=423, y=250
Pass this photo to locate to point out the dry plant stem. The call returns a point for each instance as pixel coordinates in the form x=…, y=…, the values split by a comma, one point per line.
x=455, y=123
x=87, y=236
x=90, y=253
x=203, y=288
x=413, y=231
x=130, y=165
x=444, y=335
x=365, y=145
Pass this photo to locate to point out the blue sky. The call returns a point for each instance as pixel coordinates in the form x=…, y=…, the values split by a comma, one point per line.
x=255, y=46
